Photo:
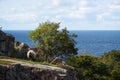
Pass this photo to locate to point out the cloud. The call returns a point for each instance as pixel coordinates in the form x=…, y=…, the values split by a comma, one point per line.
x=102, y=16
x=78, y=12
x=16, y=12
x=56, y=2
x=114, y=7
x=34, y=9
x=110, y=13
x=83, y=3
x=20, y=17
x=108, y=17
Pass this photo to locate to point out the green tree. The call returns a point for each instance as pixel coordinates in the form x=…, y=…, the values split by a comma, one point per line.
x=54, y=42
x=115, y=75
x=112, y=59
x=88, y=67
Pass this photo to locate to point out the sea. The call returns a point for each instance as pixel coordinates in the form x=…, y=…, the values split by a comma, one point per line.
x=93, y=42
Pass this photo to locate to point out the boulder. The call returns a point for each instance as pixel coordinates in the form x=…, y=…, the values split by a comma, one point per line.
x=6, y=43
x=22, y=49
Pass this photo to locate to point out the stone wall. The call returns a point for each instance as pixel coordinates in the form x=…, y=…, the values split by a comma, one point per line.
x=18, y=72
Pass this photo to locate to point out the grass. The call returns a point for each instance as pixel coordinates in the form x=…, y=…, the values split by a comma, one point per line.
x=23, y=60
x=42, y=63
x=3, y=62
x=4, y=57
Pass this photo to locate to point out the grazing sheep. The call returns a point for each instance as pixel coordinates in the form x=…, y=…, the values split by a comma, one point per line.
x=31, y=55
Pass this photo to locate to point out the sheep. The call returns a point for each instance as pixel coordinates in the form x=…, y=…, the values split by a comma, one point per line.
x=31, y=55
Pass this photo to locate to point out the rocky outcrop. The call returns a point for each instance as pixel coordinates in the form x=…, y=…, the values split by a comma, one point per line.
x=20, y=72
x=6, y=43
x=10, y=47
x=22, y=49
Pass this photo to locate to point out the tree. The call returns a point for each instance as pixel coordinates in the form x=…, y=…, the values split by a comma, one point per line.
x=89, y=67
x=112, y=59
x=115, y=75
x=54, y=42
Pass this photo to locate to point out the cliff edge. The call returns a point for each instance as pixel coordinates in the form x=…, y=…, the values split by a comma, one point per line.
x=19, y=70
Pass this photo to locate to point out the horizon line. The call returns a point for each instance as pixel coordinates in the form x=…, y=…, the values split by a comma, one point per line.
x=67, y=29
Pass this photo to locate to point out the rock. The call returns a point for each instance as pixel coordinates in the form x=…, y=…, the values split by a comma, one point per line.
x=6, y=43
x=19, y=72
x=17, y=43
x=22, y=49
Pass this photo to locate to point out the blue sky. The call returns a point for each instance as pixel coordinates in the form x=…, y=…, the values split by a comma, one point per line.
x=73, y=14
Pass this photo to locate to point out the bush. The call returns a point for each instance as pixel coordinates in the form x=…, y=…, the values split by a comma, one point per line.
x=115, y=75
x=89, y=67
x=112, y=59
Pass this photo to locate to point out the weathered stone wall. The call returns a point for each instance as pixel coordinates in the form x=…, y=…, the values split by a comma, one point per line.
x=18, y=72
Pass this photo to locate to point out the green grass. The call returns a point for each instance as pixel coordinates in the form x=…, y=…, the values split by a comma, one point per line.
x=42, y=63
x=3, y=62
x=24, y=60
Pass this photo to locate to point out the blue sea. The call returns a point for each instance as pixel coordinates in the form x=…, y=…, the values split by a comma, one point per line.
x=91, y=42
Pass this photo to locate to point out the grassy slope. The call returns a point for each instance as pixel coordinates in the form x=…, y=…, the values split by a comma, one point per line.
x=22, y=60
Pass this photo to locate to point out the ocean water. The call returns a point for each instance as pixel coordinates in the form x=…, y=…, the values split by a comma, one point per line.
x=91, y=42
x=22, y=36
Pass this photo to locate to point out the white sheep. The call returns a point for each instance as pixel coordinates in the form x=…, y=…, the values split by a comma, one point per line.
x=31, y=54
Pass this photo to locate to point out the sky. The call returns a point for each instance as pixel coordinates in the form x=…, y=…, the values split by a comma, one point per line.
x=73, y=14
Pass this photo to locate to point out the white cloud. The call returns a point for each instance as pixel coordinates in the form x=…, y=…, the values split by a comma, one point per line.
x=83, y=3
x=117, y=2
x=114, y=7
x=56, y=2
x=108, y=17
x=110, y=13
x=20, y=17
x=80, y=13
x=65, y=11
x=101, y=17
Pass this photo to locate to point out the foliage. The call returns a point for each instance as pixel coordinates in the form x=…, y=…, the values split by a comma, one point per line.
x=112, y=59
x=115, y=75
x=53, y=42
x=88, y=67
